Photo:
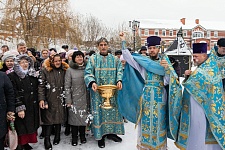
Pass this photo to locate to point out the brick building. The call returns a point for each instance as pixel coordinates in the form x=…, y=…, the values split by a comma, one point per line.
x=194, y=31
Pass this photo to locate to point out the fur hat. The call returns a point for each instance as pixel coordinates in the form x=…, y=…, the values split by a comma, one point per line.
x=9, y=54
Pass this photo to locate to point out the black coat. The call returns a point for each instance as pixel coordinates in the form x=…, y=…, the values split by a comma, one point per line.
x=7, y=101
x=51, y=89
x=26, y=91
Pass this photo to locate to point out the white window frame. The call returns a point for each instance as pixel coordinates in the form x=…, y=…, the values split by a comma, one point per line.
x=215, y=34
x=146, y=42
x=208, y=34
x=185, y=33
x=171, y=31
x=197, y=34
x=156, y=31
x=146, y=32
x=164, y=32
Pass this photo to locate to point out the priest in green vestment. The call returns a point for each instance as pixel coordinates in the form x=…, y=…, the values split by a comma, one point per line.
x=104, y=68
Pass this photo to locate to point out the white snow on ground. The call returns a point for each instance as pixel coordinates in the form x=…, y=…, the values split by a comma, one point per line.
x=129, y=142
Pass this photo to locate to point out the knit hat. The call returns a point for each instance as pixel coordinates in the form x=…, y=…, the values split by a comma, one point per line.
x=221, y=42
x=69, y=53
x=75, y=48
x=118, y=52
x=143, y=48
x=9, y=54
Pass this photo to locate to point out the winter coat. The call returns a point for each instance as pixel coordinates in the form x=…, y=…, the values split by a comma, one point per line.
x=7, y=101
x=51, y=90
x=25, y=89
x=76, y=94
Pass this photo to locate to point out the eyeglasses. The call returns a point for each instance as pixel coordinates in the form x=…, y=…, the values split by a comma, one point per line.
x=102, y=44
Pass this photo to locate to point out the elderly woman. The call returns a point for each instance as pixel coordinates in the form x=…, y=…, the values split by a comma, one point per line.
x=51, y=97
x=8, y=61
x=76, y=97
x=25, y=83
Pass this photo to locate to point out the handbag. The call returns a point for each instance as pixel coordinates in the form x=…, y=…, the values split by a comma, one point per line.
x=12, y=135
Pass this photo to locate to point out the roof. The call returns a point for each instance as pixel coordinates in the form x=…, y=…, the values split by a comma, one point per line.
x=178, y=47
x=173, y=46
x=176, y=24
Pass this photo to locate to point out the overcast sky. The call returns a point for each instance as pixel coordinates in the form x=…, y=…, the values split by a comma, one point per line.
x=114, y=12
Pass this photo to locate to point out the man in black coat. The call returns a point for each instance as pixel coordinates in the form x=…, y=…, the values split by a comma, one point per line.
x=7, y=105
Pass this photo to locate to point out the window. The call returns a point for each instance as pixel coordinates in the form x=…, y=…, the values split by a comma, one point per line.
x=156, y=32
x=215, y=34
x=163, y=32
x=208, y=34
x=146, y=44
x=198, y=34
x=185, y=33
x=171, y=32
x=146, y=32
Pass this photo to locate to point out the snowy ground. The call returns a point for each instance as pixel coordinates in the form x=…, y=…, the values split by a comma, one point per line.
x=128, y=143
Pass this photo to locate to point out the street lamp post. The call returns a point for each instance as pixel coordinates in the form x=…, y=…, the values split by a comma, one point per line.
x=134, y=25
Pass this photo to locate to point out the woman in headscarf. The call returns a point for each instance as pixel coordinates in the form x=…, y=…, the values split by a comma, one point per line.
x=8, y=61
x=51, y=97
x=76, y=97
x=25, y=84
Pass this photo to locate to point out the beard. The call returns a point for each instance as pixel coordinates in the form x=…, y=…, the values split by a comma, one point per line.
x=197, y=62
x=154, y=57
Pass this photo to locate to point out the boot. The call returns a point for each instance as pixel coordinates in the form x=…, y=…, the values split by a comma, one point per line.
x=101, y=143
x=47, y=142
x=67, y=129
x=20, y=147
x=27, y=147
x=82, y=134
x=74, y=135
x=114, y=137
x=57, y=134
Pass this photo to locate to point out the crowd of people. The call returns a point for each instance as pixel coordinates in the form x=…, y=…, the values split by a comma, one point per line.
x=51, y=89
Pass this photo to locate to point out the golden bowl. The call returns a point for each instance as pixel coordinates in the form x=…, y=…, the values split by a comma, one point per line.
x=107, y=91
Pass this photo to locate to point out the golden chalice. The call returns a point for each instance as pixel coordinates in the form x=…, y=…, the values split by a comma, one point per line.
x=107, y=91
